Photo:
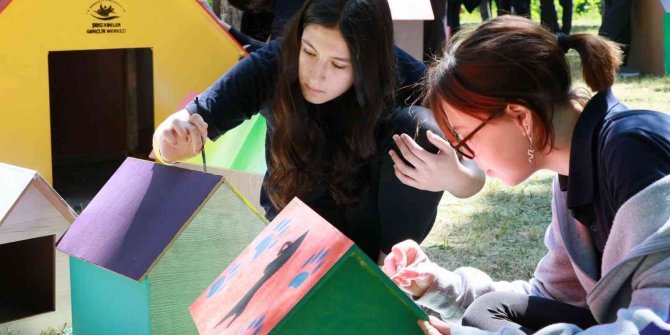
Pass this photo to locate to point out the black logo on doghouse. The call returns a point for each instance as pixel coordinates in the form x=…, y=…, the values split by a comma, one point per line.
x=106, y=10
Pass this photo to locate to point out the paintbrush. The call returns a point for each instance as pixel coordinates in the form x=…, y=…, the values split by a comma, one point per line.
x=202, y=150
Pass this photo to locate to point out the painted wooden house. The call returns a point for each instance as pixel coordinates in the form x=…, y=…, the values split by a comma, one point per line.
x=148, y=244
x=84, y=83
x=35, y=280
x=302, y=276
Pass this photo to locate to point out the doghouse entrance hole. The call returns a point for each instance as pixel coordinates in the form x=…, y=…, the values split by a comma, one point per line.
x=27, y=283
x=102, y=111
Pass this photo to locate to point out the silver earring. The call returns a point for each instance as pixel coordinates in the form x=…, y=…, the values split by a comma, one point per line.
x=531, y=151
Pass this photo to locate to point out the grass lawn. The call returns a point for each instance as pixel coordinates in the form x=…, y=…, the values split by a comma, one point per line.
x=501, y=230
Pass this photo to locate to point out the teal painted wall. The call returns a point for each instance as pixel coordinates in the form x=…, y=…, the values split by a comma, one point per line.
x=213, y=239
x=104, y=302
x=353, y=297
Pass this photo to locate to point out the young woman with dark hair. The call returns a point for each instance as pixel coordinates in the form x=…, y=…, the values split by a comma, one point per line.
x=607, y=270
x=330, y=90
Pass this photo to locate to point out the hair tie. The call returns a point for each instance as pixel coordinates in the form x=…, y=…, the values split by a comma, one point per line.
x=563, y=42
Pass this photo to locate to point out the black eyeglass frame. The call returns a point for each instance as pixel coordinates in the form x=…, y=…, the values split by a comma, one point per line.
x=462, y=147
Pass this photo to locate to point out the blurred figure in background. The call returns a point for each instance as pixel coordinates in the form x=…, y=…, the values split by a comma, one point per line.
x=516, y=7
x=485, y=10
x=434, y=34
x=616, y=24
x=549, y=17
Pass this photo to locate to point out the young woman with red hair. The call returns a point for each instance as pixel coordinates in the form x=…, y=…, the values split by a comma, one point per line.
x=503, y=96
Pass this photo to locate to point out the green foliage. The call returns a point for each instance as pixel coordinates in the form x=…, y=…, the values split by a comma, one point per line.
x=582, y=9
x=588, y=6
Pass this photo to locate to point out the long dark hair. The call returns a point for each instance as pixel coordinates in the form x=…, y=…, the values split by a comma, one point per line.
x=511, y=59
x=262, y=5
x=300, y=153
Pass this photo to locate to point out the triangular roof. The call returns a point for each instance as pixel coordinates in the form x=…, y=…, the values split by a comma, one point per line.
x=14, y=181
x=296, y=240
x=137, y=215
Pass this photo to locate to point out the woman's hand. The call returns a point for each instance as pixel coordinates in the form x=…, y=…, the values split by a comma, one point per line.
x=408, y=266
x=180, y=136
x=435, y=172
x=435, y=327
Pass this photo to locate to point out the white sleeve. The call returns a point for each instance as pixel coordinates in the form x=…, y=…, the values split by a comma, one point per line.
x=554, y=278
x=648, y=312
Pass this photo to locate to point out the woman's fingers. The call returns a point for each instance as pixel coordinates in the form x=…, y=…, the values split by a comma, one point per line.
x=440, y=325
x=195, y=139
x=439, y=142
x=414, y=148
x=408, y=151
x=403, y=177
x=429, y=329
x=395, y=260
x=401, y=255
x=199, y=123
x=186, y=133
x=179, y=129
x=170, y=137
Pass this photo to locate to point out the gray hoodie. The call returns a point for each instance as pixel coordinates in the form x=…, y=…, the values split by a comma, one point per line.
x=632, y=296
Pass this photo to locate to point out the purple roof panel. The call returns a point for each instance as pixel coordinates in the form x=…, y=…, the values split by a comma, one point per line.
x=136, y=215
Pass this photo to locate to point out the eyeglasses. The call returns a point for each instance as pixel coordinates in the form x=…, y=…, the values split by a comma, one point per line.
x=461, y=147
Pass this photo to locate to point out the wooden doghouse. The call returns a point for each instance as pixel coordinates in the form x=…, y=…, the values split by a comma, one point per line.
x=148, y=244
x=35, y=280
x=302, y=276
x=85, y=82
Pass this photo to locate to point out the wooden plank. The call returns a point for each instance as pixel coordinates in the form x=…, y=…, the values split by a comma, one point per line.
x=219, y=232
x=136, y=215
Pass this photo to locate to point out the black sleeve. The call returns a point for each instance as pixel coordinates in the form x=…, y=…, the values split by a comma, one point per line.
x=634, y=159
x=249, y=43
x=240, y=93
x=406, y=212
x=410, y=74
